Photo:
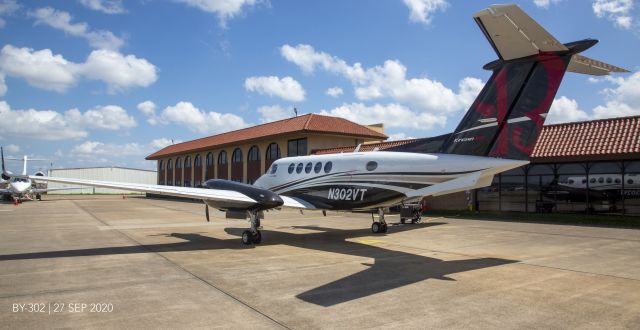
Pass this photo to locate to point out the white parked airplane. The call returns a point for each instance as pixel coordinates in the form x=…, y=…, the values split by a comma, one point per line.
x=22, y=187
x=497, y=134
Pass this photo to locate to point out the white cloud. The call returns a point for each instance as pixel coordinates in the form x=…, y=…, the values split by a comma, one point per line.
x=286, y=88
x=12, y=148
x=224, y=9
x=110, y=117
x=624, y=100
x=422, y=11
x=3, y=85
x=148, y=108
x=61, y=20
x=545, y=3
x=269, y=113
x=388, y=81
x=119, y=71
x=7, y=7
x=52, y=125
x=392, y=115
x=94, y=148
x=45, y=70
x=163, y=142
x=334, y=91
x=196, y=120
x=565, y=110
x=399, y=136
x=617, y=11
x=105, y=6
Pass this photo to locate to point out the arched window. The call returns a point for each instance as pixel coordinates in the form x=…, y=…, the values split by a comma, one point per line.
x=178, y=179
x=161, y=172
x=161, y=165
x=169, y=172
x=273, y=151
x=209, y=173
x=197, y=170
x=254, y=153
x=187, y=162
x=236, y=157
x=222, y=165
x=197, y=161
x=253, y=164
x=222, y=158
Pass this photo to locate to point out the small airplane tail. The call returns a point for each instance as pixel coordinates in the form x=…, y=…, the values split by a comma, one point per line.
x=5, y=175
x=507, y=116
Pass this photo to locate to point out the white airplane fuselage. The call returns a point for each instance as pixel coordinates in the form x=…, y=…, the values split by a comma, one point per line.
x=366, y=180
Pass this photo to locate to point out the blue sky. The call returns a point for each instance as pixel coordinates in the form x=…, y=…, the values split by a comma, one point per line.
x=98, y=82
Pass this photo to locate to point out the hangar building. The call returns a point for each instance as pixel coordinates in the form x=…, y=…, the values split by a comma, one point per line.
x=243, y=155
x=117, y=174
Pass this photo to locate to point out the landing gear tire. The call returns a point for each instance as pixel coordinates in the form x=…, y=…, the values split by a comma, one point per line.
x=403, y=220
x=376, y=227
x=257, y=237
x=247, y=237
x=39, y=197
x=383, y=228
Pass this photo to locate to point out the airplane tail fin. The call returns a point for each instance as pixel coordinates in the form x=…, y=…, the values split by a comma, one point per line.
x=507, y=116
x=5, y=175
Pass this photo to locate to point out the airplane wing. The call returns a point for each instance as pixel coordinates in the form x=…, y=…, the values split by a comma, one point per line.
x=513, y=34
x=39, y=191
x=296, y=203
x=197, y=193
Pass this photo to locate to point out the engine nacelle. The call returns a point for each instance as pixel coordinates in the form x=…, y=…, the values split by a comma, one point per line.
x=39, y=173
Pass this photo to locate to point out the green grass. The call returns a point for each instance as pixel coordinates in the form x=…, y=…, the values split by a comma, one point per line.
x=603, y=220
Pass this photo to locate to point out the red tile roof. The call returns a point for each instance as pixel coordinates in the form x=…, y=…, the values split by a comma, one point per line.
x=605, y=139
x=364, y=147
x=310, y=123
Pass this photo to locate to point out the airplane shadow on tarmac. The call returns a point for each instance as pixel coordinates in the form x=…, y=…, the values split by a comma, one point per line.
x=391, y=269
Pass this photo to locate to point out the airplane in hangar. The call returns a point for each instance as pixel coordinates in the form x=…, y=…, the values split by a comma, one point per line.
x=22, y=187
x=497, y=134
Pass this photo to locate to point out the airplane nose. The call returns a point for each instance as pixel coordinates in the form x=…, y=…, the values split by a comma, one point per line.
x=273, y=201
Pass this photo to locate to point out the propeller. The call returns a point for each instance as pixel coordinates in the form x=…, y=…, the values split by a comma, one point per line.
x=206, y=211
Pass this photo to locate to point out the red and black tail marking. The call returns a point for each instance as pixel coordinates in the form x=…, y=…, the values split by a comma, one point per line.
x=507, y=116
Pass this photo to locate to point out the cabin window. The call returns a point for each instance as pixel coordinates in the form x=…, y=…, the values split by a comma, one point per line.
x=308, y=167
x=584, y=181
x=318, y=167
x=609, y=180
x=571, y=181
x=291, y=168
x=617, y=180
x=592, y=180
x=299, y=168
x=630, y=181
x=327, y=167
x=274, y=168
x=372, y=166
x=600, y=180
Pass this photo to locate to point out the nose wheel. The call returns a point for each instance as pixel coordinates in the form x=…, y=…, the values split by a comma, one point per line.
x=252, y=235
x=380, y=226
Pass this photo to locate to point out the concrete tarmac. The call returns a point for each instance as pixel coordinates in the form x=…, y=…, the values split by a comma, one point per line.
x=108, y=262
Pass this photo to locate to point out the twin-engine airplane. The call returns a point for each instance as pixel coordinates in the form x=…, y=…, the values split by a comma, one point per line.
x=21, y=187
x=496, y=134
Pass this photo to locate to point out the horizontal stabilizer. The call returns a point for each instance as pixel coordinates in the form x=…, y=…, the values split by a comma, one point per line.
x=585, y=65
x=513, y=34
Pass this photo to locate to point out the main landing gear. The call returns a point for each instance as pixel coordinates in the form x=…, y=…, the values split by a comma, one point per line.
x=252, y=235
x=379, y=226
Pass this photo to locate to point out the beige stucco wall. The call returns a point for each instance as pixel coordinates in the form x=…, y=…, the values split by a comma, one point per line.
x=314, y=141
